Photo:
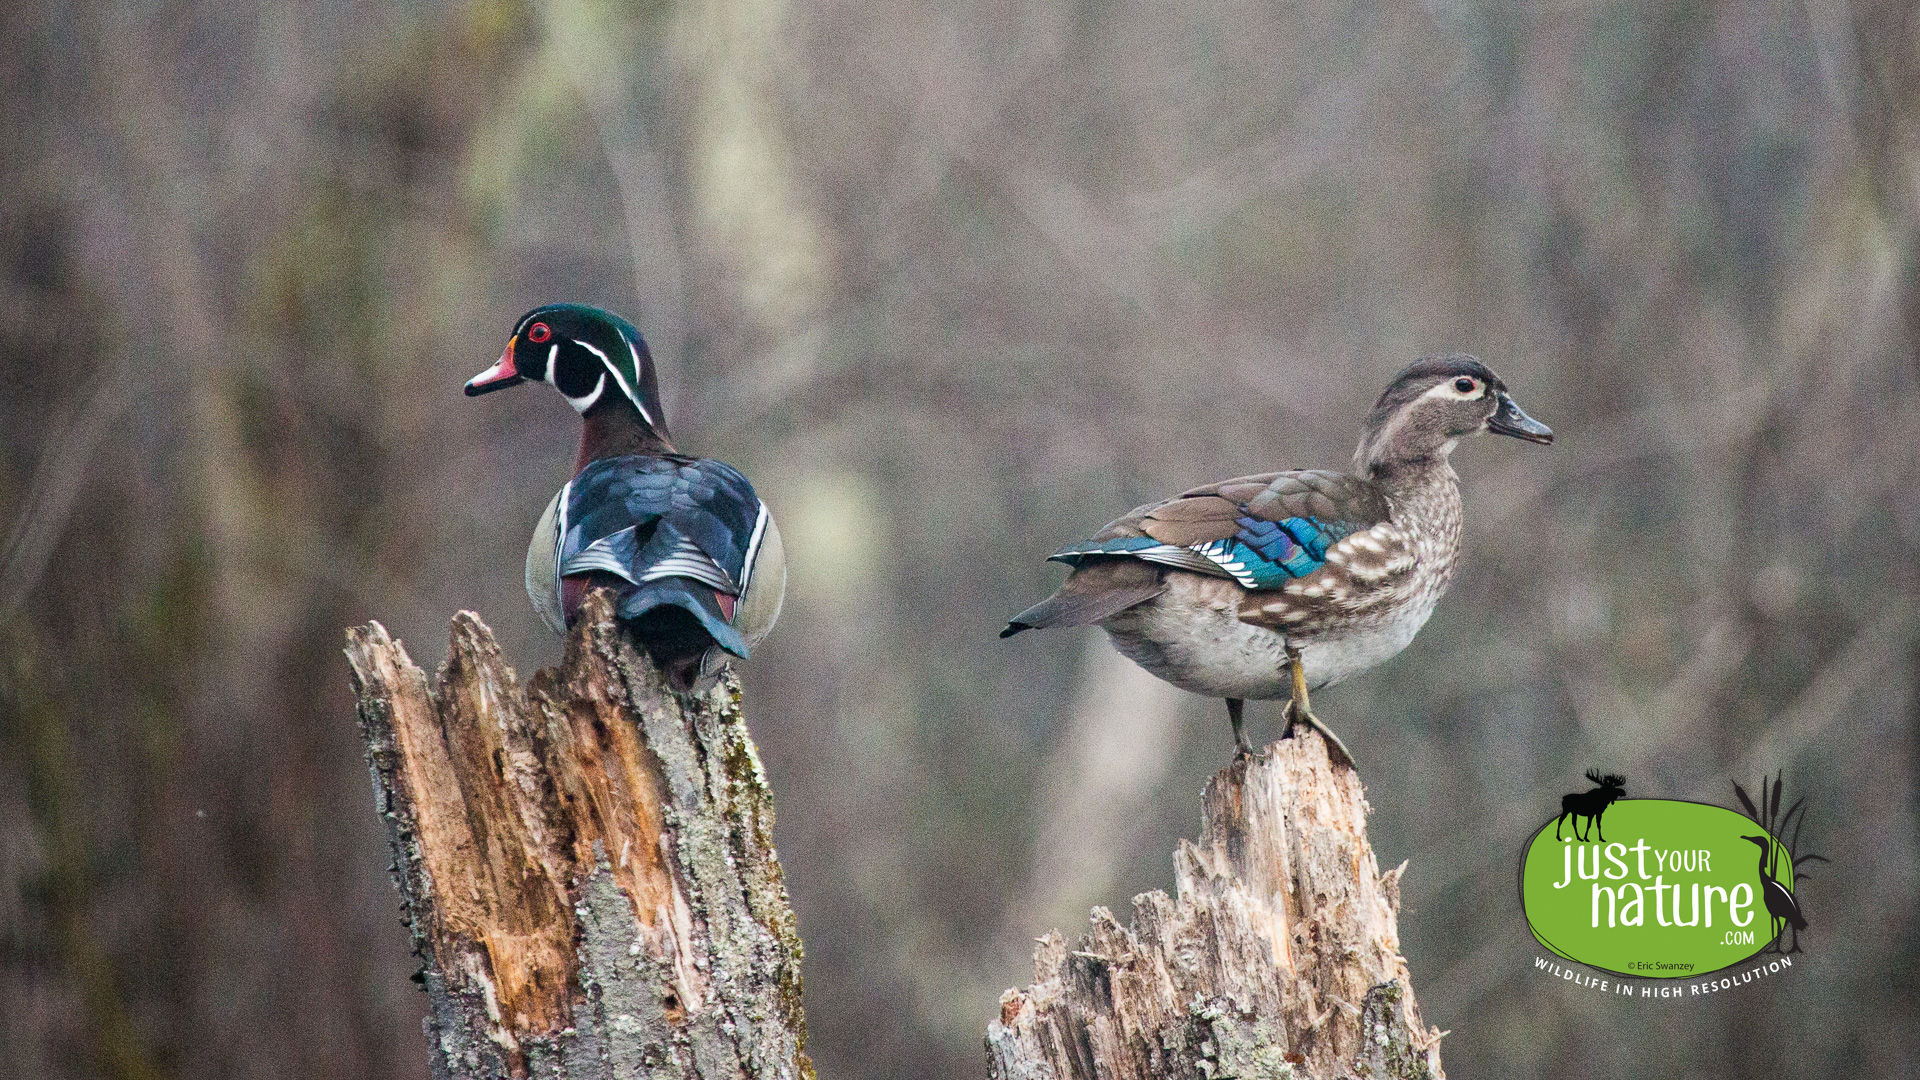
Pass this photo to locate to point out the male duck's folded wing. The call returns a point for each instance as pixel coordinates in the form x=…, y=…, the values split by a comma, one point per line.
x=647, y=518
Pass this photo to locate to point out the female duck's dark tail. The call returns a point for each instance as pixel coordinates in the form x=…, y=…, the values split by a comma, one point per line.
x=1100, y=589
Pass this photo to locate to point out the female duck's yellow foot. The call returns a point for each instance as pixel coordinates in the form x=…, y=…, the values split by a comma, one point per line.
x=1337, y=752
x=1300, y=711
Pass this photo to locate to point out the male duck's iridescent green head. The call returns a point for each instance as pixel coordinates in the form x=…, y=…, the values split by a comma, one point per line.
x=593, y=357
x=1432, y=405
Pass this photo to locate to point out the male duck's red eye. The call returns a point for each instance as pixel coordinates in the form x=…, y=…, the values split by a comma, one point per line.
x=1465, y=386
x=538, y=333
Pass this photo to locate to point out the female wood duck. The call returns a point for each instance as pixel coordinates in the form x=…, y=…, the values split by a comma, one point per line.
x=691, y=550
x=1264, y=586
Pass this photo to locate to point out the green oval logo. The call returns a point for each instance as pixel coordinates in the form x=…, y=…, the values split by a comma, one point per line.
x=1655, y=888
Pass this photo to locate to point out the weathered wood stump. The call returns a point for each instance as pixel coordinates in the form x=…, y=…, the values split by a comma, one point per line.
x=587, y=867
x=1279, y=958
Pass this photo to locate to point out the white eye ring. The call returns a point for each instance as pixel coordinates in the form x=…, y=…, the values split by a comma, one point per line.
x=1450, y=388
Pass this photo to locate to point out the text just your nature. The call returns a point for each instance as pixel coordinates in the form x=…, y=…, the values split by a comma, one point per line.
x=1626, y=903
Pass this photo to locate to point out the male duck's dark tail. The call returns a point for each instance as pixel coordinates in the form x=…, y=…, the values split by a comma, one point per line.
x=683, y=628
x=1094, y=593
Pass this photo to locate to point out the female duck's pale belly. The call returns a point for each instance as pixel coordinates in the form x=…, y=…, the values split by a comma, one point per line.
x=1191, y=636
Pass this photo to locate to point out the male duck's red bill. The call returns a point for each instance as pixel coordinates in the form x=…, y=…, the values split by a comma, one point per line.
x=499, y=375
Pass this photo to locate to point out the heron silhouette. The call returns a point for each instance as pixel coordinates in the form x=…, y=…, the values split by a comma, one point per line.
x=1779, y=899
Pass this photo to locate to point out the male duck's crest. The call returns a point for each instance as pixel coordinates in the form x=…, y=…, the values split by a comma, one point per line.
x=589, y=355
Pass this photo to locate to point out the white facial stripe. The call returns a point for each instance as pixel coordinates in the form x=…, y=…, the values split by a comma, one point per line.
x=620, y=379
x=553, y=355
x=599, y=386
x=1442, y=391
x=591, y=349
x=628, y=390
x=582, y=404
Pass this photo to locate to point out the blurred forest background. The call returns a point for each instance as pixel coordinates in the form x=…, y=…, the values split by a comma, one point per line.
x=954, y=284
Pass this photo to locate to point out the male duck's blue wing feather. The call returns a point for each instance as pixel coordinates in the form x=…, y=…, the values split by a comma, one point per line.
x=680, y=531
x=1262, y=531
x=648, y=518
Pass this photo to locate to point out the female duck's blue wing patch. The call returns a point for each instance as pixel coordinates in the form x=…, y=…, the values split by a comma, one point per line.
x=1261, y=531
x=1267, y=554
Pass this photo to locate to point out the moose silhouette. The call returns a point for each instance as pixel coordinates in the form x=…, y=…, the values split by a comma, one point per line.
x=1590, y=804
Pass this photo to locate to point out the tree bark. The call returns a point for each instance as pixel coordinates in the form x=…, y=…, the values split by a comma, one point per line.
x=587, y=867
x=1279, y=958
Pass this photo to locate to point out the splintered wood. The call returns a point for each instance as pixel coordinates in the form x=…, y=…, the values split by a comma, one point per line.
x=587, y=867
x=1279, y=958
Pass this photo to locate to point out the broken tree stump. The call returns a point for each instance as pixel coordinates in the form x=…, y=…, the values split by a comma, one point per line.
x=1280, y=956
x=587, y=866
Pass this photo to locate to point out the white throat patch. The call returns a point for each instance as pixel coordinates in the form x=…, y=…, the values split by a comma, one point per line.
x=1447, y=390
x=582, y=404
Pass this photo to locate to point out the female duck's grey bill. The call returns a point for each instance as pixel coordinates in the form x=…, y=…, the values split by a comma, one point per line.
x=496, y=377
x=1510, y=420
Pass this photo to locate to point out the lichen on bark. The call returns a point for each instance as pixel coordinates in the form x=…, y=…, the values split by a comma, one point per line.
x=587, y=865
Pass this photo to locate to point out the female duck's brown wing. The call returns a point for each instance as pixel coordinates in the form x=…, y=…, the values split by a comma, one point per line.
x=1261, y=531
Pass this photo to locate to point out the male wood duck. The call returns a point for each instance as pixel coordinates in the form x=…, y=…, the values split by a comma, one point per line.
x=1265, y=586
x=692, y=552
